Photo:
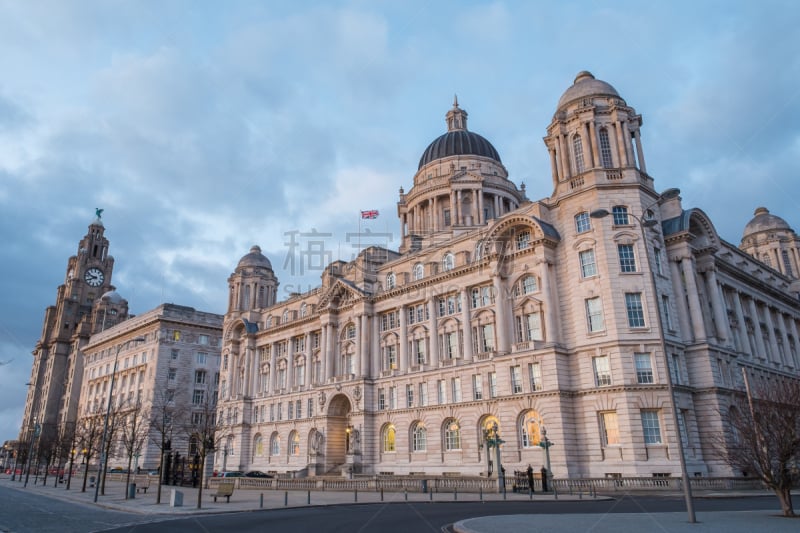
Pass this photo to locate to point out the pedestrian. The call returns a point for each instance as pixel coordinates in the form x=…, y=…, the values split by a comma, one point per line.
x=530, y=477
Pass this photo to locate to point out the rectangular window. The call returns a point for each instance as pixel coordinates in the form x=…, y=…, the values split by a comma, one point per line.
x=202, y=357
x=594, y=314
x=657, y=260
x=441, y=391
x=682, y=427
x=171, y=374
x=310, y=407
x=280, y=411
x=609, y=429
x=450, y=345
x=409, y=395
x=633, y=305
x=602, y=371
x=529, y=327
x=455, y=385
x=588, y=264
x=620, y=213
x=418, y=351
x=290, y=410
x=298, y=409
x=605, y=149
x=392, y=397
x=449, y=305
x=390, y=356
x=582, y=222
x=516, y=379
x=174, y=354
x=482, y=296
x=651, y=427
x=675, y=369
x=665, y=308
x=423, y=394
x=535, y=374
x=484, y=338
x=202, y=339
x=492, y=384
x=272, y=412
x=644, y=368
x=381, y=400
x=627, y=261
x=200, y=377
x=199, y=397
x=477, y=387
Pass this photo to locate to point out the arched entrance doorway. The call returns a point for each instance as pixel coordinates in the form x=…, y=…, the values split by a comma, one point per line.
x=338, y=442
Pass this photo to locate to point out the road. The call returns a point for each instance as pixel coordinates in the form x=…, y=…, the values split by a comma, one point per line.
x=22, y=512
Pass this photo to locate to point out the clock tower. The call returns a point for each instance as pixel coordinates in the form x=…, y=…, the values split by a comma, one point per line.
x=86, y=303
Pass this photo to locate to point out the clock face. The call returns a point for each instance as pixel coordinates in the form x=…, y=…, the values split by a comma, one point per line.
x=94, y=277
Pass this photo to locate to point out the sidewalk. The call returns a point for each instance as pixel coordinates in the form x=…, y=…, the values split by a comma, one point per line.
x=250, y=500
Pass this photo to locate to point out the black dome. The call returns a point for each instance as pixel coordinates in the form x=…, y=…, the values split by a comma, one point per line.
x=458, y=142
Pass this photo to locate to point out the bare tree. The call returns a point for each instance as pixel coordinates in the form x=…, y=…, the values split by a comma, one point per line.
x=203, y=430
x=133, y=431
x=765, y=436
x=116, y=419
x=89, y=433
x=166, y=418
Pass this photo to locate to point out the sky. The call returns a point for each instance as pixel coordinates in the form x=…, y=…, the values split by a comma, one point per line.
x=203, y=128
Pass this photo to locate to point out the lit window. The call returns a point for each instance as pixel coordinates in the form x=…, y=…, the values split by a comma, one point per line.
x=588, y=264
x=620, y=213
x=582, y=222
x=530, y=430
x=633, y=305
x=627, y=261
x=294, y=443
x=651, y=427
x=609, y=429
x=389, y=439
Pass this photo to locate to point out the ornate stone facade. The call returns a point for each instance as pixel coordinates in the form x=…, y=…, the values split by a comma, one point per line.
x=564, y=314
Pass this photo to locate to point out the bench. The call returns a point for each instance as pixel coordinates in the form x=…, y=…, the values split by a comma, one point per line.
x=142, y=484
x=224, y=489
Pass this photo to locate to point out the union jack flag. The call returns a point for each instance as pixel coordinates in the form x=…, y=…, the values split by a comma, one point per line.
x=372, y=213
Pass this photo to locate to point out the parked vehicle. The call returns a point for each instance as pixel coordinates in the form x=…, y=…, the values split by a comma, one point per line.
x=233, y=473
x=257, y=473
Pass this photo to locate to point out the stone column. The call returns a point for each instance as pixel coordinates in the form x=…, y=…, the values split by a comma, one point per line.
x=309, y=360
x=466, y=325
x=453, y=213
x=496, y=206
x=621, y=152
x=565, y=166
x=595, y=144
x=375, y=367
x=773, y=341
x=793, y=327
x=481, y=218
x=248, y=368
x=327, y=361
x=680, y=295
x=433, y=333
x=787, y=355
x=737, y=306
x=434, y=214
x=290, y=381
x=550, y=328
x=363, y=365
x=639, y=150
x=553, y=164
x=762, y=350
x=273, y=368
x=718, y=303
x=403, y=339
x=695, y=308
x=502, y=321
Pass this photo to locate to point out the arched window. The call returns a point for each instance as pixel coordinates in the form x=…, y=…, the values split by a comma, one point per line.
x=418, y=272
x=269, y=321
x=285, y=317
x=527, y=285
x=391, y=281
x=605, y=149
x=582, y=222
x=448, y=262
x=389, y=438
x=294, y=444
x=419, y=438
x=530, y=429
x=275, y=445
x=577, y=149
x=259, y=446
x=523, y=240
x=303, y=310
x=452, y=435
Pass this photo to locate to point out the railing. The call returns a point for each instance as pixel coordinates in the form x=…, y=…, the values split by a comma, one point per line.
x=420, y=483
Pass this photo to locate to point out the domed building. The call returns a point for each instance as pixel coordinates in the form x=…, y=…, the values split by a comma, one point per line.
x=769, y=238
x=570, y=319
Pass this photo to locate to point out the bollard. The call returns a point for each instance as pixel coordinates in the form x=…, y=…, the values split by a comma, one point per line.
x=455, y=494
x=431, y=495
x=405, y=493
x=530, y=494
x=261, y=501
x=580, y=494
x=308, y=501
x=355, y=494
x=555, y=492
x=504, y=493
x=381, y=493
x=286, y=498
x=480, y=490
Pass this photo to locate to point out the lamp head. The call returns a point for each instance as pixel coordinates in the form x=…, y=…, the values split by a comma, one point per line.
x=669, y=194
x=599, y=213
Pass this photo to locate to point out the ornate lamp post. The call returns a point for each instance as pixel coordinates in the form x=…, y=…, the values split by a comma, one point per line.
x=649, y=223
x=493, y=439
x=72, y=453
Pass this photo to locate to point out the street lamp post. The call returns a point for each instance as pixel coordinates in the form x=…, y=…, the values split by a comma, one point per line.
x=71, y=462
x=650, y=222
x=546, y=443
x=103, y=455
x=35, y=433
x=493, y=439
